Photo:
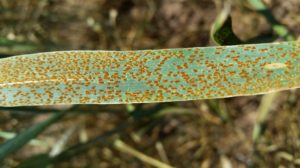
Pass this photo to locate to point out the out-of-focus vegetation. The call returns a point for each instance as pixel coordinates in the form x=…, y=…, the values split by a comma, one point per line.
x=234, y=132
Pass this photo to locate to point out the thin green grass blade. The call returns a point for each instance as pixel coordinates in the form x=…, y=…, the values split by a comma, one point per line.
x=39, y=160
x=224, y=34
x=114, y=77
x=279, y=29
x=20, y=140
x=221, y=32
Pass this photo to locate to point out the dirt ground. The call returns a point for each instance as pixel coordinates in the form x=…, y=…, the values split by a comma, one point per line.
x=215, y=133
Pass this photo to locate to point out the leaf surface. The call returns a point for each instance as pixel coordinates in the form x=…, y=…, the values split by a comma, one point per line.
x=144, y=76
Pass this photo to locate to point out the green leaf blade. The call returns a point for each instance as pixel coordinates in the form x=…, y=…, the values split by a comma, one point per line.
x=120, y=77
x=23, y=138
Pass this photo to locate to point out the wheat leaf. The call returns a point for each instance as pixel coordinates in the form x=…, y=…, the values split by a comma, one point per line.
x=120, y=77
